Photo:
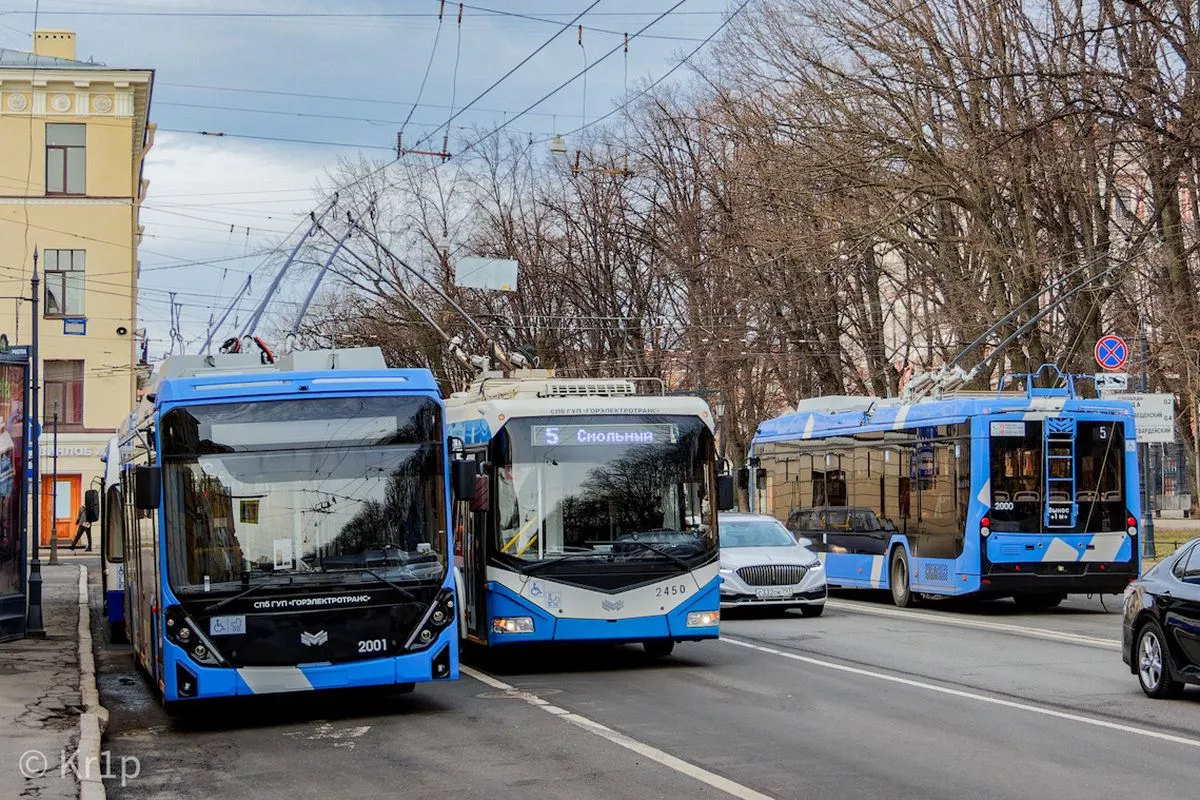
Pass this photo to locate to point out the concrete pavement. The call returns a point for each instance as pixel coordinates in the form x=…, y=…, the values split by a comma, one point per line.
x=43, y=711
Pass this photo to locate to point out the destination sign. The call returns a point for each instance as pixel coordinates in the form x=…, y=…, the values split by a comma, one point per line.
x=602, y=435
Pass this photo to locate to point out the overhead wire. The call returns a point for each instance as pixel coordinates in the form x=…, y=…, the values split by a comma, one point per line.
x=428, y=66
x=511, y=71
x=688, y=57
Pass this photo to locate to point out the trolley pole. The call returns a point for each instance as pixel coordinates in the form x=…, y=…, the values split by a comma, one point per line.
x=34, y=628
x=1148, y=546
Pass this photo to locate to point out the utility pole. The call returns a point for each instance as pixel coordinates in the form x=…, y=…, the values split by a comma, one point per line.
x=33, y=616
x=1144, y=456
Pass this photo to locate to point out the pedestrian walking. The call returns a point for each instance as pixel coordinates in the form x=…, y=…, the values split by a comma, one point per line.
x=82, y=526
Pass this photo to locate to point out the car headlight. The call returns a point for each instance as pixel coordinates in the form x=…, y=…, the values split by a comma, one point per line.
x=724, y=571
x=815, y=565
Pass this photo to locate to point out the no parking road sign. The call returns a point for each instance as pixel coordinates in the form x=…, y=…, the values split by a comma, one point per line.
x=1111, y=352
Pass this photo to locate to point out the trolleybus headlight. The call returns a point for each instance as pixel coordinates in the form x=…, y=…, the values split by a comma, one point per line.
x=439, y=615
x=1132, y=523
x=183, y=632
x=703, y=619
x=512, y=624
x=985, y=527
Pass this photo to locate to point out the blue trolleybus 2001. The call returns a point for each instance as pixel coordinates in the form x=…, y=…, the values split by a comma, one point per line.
x=595, y=516
x=282, y=526
x=1029, y=494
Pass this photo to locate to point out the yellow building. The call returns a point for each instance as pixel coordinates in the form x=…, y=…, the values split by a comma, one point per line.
x=73, y=139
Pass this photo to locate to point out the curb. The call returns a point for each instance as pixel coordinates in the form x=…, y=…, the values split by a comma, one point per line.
x=94, y=718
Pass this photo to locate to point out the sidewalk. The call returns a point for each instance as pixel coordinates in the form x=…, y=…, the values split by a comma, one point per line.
x=41, y=704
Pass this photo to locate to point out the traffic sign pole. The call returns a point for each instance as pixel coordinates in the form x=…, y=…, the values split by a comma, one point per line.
x=1148, y=547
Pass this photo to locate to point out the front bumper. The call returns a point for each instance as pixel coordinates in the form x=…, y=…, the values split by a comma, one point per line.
x=736, y=593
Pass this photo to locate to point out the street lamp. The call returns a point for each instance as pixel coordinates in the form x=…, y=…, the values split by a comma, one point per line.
x=33, y=616
x=54, y=492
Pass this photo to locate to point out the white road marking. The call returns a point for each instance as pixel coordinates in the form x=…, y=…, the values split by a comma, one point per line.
x=653, y=753
x=980, y=698
x=978, y=624
x=344, y=737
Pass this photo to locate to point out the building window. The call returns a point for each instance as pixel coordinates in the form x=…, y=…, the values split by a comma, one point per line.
x=64, y=387
x=66, y=158
x=65, y=282
x=249, y=512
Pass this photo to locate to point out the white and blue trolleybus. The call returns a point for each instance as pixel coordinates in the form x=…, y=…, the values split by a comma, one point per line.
x=1031, y=494
x=282, y=526
x=595, y=514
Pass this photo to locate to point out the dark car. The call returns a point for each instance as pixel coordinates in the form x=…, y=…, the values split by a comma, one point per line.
x=842, y=529
x=1161, y=630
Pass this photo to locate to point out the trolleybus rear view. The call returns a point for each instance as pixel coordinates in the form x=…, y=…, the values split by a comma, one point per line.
x=1031, y=494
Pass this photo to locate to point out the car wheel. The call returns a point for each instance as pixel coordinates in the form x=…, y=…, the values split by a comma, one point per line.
x=659, y=648
x=901, y=593
x=1037, y=602
x=812, y=611
x=1153, y=663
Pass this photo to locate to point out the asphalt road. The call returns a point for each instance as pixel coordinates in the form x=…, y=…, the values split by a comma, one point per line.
x=866, y=701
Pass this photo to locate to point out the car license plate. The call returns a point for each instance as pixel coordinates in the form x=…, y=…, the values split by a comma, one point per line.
x=782, y=591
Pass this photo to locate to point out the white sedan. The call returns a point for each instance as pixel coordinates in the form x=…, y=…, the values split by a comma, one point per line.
x=763, y=565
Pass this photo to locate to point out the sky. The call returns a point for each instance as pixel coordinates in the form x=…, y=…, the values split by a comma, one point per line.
x=293, y=86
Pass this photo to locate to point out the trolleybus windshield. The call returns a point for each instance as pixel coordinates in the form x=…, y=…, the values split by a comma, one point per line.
x=303, y=488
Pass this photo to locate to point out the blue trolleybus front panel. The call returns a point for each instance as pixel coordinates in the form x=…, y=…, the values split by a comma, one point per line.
x=598, y=527
x=300, y=541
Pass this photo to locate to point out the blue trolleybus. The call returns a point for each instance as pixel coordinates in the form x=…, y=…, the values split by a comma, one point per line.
x=1029, y=494
x=284, y=526
x=595, y=518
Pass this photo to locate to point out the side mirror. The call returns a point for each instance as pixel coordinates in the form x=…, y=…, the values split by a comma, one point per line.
x=482, y=501
x=462, y=478
x=726, y=493
x=91, y=505
x=147, y=487
x=804, y=541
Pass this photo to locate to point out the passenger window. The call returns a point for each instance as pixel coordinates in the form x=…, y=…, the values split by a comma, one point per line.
x=1191, y=569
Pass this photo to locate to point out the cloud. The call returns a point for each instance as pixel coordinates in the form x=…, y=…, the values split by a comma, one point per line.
x=229, y=203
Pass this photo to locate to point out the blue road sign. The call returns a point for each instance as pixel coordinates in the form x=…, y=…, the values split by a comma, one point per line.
x=1111, y=352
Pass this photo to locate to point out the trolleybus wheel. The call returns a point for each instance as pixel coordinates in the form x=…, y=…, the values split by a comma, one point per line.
x=901, y=592
x=658, y=648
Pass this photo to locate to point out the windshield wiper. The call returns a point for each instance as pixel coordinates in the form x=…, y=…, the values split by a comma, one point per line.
x=682, y=564
x=568, y=557
x=222, y=603
x=403, y=592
